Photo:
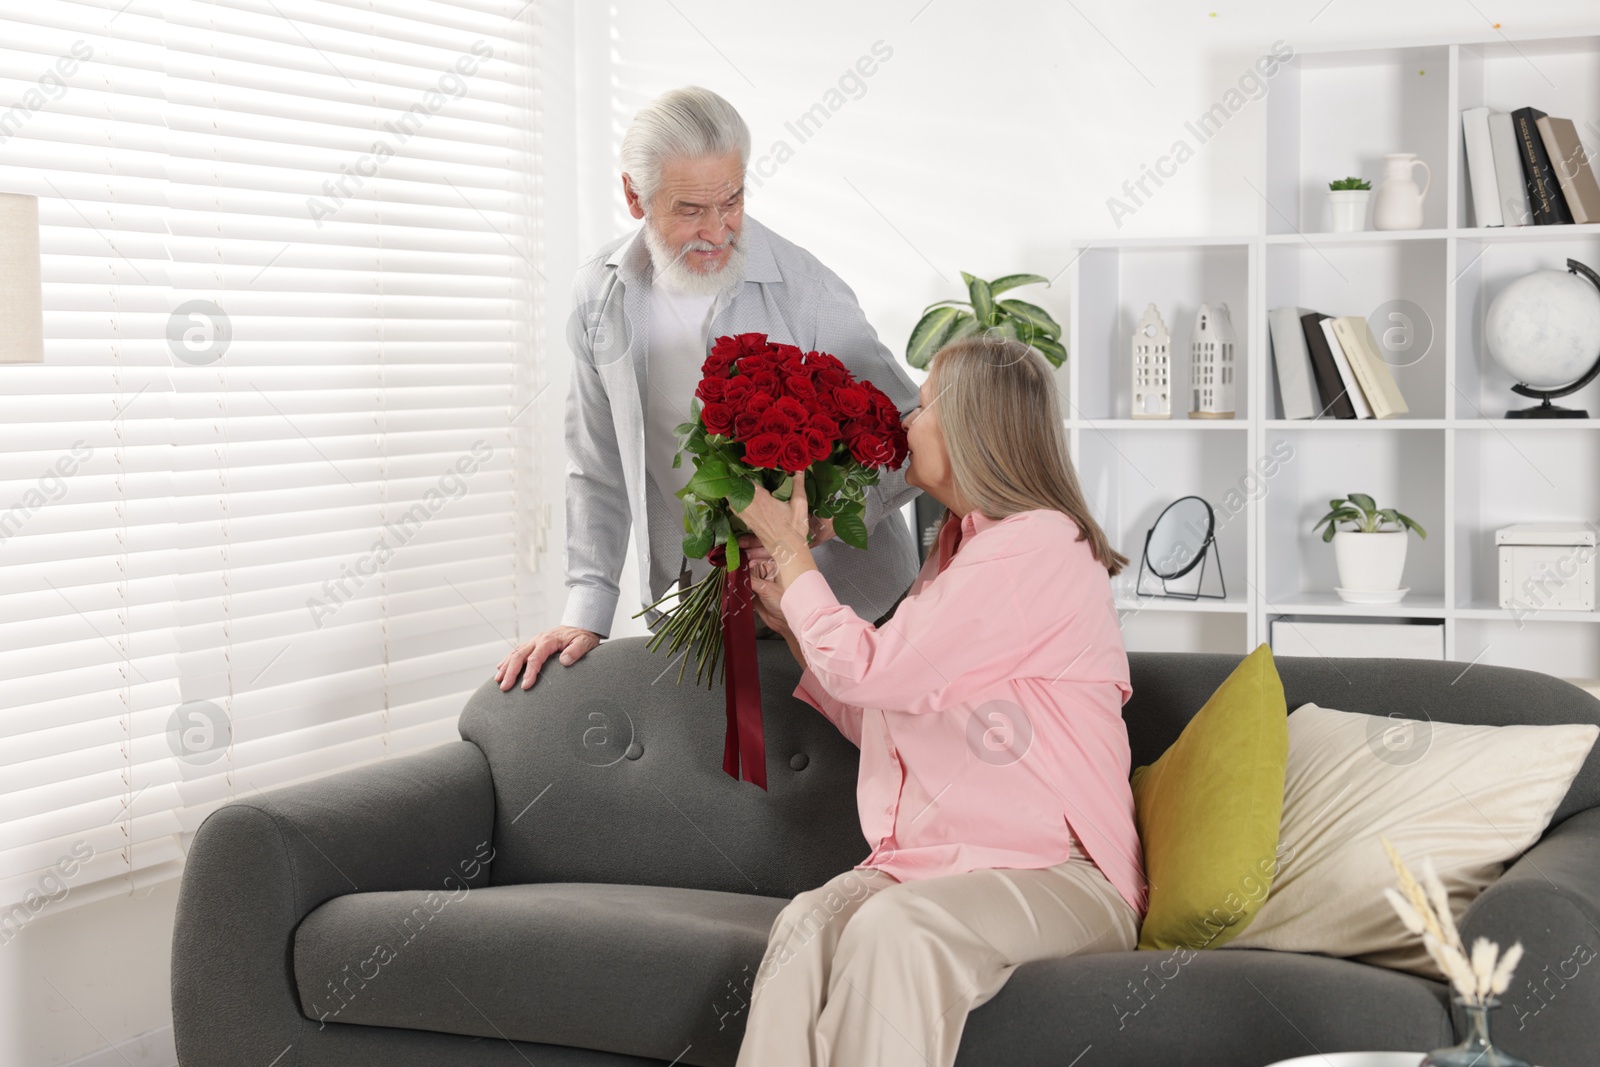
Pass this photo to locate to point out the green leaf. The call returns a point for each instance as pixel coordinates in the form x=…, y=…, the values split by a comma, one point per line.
x=1054, y=351
x=1342, y=514
x=851, y=528
x=733, y=553
x=829, y=479
x=1335, y=505
x=982, y=298
x=1013, y=281
x=1364, y=502
x=930, y=333
x=1035, y=317
x=742, y=493
x=1412, y=524
x=1327, y=535
x=698, y=543
x=942, y=303
x=965, y=326
x=714, y=481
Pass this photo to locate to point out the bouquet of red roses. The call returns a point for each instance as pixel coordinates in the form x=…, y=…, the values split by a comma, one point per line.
x=767, y=413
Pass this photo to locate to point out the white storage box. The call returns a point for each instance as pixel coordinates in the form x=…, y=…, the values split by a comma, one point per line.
x=1318, y=635
x=1547, y=566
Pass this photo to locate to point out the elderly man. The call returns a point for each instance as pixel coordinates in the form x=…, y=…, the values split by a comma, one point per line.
x=648, y=306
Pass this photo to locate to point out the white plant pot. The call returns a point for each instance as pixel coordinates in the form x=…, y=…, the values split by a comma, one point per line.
x=1349, y=208
x=1370, y=562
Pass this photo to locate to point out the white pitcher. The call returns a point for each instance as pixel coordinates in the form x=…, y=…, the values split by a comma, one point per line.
x=1398, y=204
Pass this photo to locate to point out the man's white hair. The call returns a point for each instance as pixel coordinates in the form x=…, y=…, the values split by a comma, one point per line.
x=685, y=123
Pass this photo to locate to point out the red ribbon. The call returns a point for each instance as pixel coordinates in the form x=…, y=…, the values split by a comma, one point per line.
x=744, y=747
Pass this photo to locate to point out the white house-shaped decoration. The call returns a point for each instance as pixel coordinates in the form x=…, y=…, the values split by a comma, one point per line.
x=1212, y=366
x=1152, y=367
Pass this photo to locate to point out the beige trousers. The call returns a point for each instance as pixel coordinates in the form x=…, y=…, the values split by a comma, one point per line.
x=868, y=971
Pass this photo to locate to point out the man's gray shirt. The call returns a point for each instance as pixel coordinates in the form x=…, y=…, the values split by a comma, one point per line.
x=786, y=294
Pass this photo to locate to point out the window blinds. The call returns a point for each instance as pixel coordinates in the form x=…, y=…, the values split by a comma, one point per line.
x=257, y=516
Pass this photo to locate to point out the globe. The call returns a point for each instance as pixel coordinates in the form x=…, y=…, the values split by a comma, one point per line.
x=1544, y=328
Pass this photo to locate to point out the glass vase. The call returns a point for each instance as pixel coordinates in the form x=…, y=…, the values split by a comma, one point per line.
x=1477, y=1050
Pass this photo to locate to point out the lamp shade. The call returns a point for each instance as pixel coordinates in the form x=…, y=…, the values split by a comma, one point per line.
x=21, y=309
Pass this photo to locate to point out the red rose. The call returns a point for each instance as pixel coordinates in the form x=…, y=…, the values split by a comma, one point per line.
x=774, y=421
x=767, y=381
x=882, y=405
x=717, y=364
x=763, y=450
x=734, y=390
x=744, y=425
x=796, y=412
x=825, y=425
x=821, y=444
x=713, y=390
x=750, y=343
x=800, y=386
x=852, y=401
x=833, y=377
x=796, y=454
x=871, y=449
x=718, y=418
x=822, y=360
x=901, y=448
x=789, y=357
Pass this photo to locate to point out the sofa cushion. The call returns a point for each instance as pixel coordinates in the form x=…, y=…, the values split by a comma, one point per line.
x=638, y=970
x=1471, y=797
x=609, y=771
x=1208, y=812
x=1200, y=1009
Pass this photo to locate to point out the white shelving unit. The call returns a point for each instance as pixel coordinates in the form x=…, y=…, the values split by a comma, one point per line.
x=1454, y=463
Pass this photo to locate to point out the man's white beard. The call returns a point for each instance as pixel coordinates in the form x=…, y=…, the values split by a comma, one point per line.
x=673, y=273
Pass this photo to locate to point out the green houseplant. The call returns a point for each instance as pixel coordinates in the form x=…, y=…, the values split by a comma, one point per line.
x=1347, y=200
x=1371, y=550
x=946, y=321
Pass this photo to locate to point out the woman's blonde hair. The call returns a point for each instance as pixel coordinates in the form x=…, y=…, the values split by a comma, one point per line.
x=1003, y=431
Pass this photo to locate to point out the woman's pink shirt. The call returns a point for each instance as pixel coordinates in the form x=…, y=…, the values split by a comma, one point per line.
x=988, y=708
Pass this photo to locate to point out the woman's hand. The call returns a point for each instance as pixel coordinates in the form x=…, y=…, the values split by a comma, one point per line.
x=782, y=553
x=750, y=544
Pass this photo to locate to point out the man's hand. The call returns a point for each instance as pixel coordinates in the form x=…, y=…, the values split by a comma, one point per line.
x=570, y=641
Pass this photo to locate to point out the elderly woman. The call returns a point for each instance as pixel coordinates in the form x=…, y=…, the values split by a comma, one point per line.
x=994, y=760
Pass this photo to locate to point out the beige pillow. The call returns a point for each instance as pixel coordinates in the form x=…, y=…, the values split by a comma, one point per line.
x=1472, y=797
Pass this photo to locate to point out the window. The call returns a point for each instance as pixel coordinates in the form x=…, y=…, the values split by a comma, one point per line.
x=257, y=509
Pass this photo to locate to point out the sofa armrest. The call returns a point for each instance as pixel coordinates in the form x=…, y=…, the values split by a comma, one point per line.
x=1549, y=899
x=261, y=864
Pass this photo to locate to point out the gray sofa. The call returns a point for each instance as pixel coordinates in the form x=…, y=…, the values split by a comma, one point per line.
x=577, y=882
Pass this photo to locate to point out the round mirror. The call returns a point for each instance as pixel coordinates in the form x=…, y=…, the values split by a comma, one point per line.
x=1179, y=537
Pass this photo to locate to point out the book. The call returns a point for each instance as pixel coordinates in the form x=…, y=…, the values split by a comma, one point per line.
x=1545, y=201
x=1297, y=390
x=1508, y=170
x=1371, y=369
x=1330, y=387
x=1571, y=166
x=1341, y=361
x=1480, y=167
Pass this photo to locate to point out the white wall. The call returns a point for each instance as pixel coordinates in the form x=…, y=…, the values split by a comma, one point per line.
x=81, y=976
x=990, y=138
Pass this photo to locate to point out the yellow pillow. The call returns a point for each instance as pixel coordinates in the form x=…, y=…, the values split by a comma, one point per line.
x=1208, y=812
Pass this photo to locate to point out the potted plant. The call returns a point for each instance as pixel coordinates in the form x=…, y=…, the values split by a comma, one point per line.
x=1347, y=199
x=1371, y=551
x=945, y=321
